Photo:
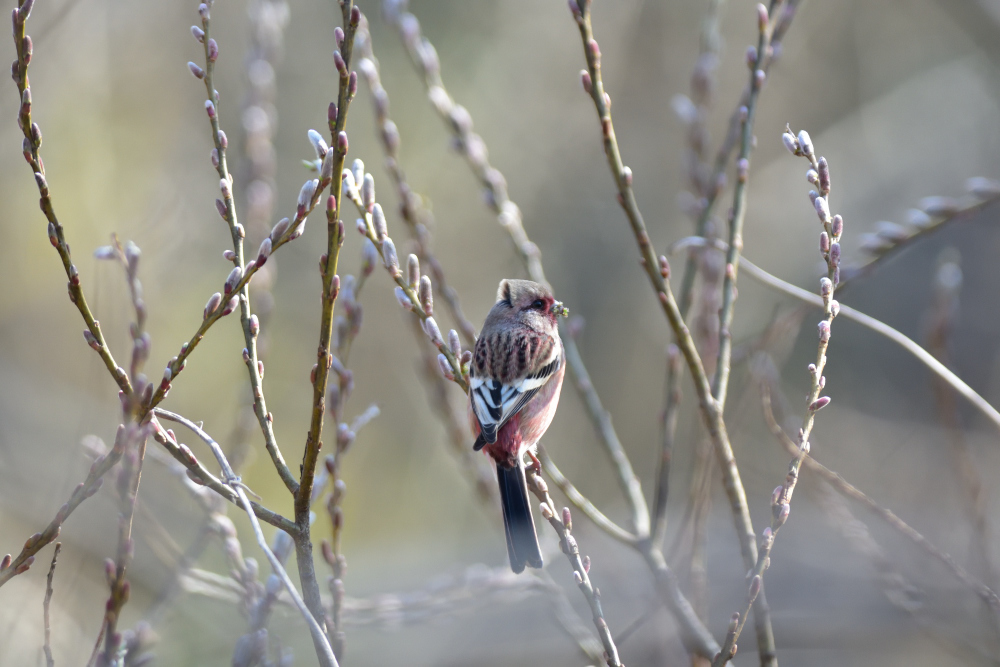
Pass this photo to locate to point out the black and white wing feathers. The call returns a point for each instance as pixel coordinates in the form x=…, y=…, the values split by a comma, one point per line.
x=495, y=402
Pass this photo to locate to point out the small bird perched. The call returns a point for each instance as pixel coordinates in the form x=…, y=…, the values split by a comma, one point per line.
x=516, y=374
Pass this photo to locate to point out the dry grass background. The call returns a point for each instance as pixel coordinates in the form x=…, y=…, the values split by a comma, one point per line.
x=901, y=97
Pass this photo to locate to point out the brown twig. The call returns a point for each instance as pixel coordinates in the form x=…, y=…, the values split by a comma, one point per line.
x=658, y=270
x=563, y=525
x=337, y=115
x=32, y=144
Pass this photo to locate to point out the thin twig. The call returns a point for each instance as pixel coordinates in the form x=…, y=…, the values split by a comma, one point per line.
x=563, y=526
x=47, y=645
x=325, y=655
x=133, y=437
x=885, y=330
x=10, y=568
x=32, y=144
x=249, y=323
x=829, y=245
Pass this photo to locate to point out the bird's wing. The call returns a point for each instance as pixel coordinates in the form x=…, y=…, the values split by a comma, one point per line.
x=495, y=402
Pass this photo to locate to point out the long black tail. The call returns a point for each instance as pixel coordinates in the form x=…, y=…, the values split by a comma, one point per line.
x=522, y=541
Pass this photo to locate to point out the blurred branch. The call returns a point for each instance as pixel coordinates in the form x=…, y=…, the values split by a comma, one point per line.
x=848, y=490
x=133, y=437
x=414, y=214
x=881, y=328
x=931, y=214
x=324, y=652
x=47, y=645
x=942, y=316
x=10, y=568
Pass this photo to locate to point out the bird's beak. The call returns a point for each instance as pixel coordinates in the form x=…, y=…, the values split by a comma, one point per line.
x=559, y=309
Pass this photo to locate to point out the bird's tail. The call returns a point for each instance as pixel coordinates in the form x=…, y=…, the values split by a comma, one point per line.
x=522, y=541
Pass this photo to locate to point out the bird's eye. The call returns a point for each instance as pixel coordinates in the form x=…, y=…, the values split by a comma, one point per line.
x=539, y=304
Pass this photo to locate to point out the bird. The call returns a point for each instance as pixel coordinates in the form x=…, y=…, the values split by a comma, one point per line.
x=516, y=375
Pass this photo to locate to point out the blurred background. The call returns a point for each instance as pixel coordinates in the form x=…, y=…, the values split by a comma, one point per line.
x=900, y=96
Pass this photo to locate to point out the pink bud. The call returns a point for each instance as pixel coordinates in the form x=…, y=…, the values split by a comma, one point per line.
x=824, y=331
x=232, y=279
x=791, y=143
x=214, y=302
x=264, y=252
x=403, y=300
x=819, y=403
x=445, y=367
x=430, y=328
x=378, y=222
x=198, y=72
x=279, y=230
x=426, y=295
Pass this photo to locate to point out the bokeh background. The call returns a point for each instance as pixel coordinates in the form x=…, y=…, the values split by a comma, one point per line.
x=900, y=96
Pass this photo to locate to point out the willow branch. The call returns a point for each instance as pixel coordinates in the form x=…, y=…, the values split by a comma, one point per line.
x=227, y=209
x=658, y=271
x=31, y=147
x=47, y=645
x=829, y=245
x=11, y=567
